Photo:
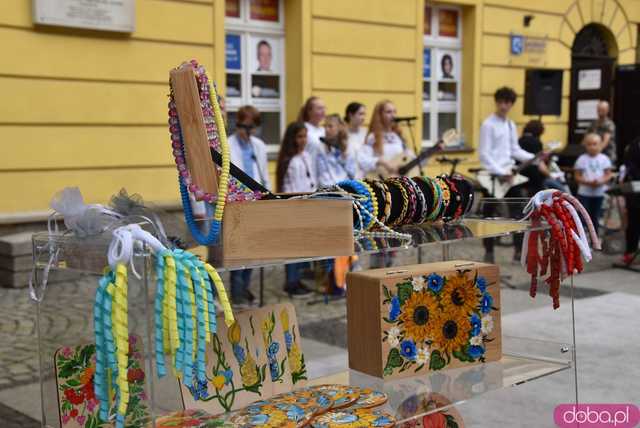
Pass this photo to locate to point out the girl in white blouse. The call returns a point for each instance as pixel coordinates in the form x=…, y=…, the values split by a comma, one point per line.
x=355, y=116
x=312, y=114
x=295, y=172
x=384, y=141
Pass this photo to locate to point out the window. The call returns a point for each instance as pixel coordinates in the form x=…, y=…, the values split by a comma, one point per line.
x=442, y=71
x=254, y=54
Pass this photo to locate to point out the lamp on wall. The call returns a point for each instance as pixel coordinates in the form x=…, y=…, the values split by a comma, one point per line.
x=527, y=20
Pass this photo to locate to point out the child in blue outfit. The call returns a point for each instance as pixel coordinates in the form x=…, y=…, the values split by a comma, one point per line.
x=592, y=172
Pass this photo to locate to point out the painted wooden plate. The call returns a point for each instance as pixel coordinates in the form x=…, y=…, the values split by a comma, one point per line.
x=354, y=419
x=341, y=395
x=369, y=398
x=191, y=418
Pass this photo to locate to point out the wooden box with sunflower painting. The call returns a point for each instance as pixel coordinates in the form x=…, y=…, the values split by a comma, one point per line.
x=415, y=319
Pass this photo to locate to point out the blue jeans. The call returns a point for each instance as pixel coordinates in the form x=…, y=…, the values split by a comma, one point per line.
x=293, y=273
x=593, y=205
x=240, y=282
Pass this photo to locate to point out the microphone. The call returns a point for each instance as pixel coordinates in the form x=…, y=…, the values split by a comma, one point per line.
x=405, y=118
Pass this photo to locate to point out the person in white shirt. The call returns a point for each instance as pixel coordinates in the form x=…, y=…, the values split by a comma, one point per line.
x=249, y=153
x=295, y=173
x=592, y=173
x=354, y=116
x=333, y=161
x=312, y=114
x=498, y=149
x=384, y=140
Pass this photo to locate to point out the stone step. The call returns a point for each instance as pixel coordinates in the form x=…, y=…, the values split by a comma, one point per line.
x=16, y=263
x=16, y=244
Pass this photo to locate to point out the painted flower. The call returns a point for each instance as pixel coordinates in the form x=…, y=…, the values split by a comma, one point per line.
x=476, y=352
x=91, y=404
x=408, y=349
x=434, y=420
x=394, y=311
x=417, y=316
x=486, y=303
x=422, y=356
x=481, y=283
x=73, y=413
x=135, y=375
x=295, y=359
x=234, y=333
x=73, y=397
x=476, y=324
x=238, y=352
x=87, y=375
x=81, y=419
x=459, y=295
x=249, y=372
x=418, y=283
x=295, y=413
x=65, y=419
x=451, y=331
x=267, y=328
x=273, y=348
x=284, y=319
x=67, y=352
x=394, y=337
x=218, y=382
x=435, y=282
x=487, y=324
x=475, y=340
x=228, y=375
x=288, y=339
x=274, y=369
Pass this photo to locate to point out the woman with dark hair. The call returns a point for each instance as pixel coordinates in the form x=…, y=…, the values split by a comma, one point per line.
x=312, y=114
x=295, y=173
x=632, y=173
x=354, y=116
x=446, y=65
x=539, y=174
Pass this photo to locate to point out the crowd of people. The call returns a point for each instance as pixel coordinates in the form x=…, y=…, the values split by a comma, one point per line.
x=317, y=150
x=320, y=149
x=500, y=149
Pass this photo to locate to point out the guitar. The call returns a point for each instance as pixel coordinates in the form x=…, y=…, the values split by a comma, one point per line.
x=499, y=188
x=407, y=164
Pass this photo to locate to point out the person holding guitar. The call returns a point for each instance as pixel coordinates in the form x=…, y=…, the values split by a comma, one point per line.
x=384, y=141
x=498, y=149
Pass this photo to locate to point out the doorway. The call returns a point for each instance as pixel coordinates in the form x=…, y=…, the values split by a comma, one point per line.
x=593, y=58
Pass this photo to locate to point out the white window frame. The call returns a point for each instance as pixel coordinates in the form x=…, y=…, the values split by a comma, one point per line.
x=437, y=43
x=248, y=28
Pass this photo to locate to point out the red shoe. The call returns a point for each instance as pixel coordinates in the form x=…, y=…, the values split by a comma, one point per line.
x=627, y=259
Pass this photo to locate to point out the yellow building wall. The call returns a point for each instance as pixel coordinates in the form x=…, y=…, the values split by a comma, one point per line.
x=88, y=108
x=558, y=21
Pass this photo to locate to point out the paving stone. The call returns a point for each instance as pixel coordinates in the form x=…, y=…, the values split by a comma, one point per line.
x=16, y=244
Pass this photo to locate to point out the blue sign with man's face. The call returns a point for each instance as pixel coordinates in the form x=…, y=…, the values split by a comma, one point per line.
x=517, y=44
x=232, y=52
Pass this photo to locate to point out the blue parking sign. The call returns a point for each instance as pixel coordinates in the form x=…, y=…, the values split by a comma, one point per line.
x=517, y=44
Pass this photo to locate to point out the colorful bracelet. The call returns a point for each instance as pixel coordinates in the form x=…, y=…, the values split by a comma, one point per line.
x=374, y=204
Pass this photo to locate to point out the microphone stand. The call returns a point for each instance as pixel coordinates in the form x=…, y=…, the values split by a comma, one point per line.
x=409, y=123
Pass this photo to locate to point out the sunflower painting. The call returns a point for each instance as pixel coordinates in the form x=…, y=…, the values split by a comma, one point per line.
x=431, y=320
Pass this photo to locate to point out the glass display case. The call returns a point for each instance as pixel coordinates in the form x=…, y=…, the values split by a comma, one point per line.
x=537, y=371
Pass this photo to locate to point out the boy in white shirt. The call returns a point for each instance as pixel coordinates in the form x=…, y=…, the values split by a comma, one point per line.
x=592, y=172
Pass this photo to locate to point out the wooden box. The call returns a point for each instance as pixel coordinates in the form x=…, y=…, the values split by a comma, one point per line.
x=285, y=228
x=407, y=321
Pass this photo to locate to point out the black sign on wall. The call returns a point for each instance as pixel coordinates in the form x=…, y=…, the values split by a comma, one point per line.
x=543, y=92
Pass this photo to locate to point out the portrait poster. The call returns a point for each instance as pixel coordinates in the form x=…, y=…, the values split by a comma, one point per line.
x=448, y=65
x=448, y=23
x=265, y=55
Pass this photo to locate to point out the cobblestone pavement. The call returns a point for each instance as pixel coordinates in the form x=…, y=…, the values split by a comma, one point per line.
x=65, y=315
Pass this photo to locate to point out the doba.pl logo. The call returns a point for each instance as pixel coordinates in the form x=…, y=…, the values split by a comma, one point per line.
x=597, y=415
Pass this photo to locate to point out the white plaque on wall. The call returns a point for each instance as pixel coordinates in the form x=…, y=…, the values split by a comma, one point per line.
x=589, y=80
x=587, y=110
x=107, y=15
